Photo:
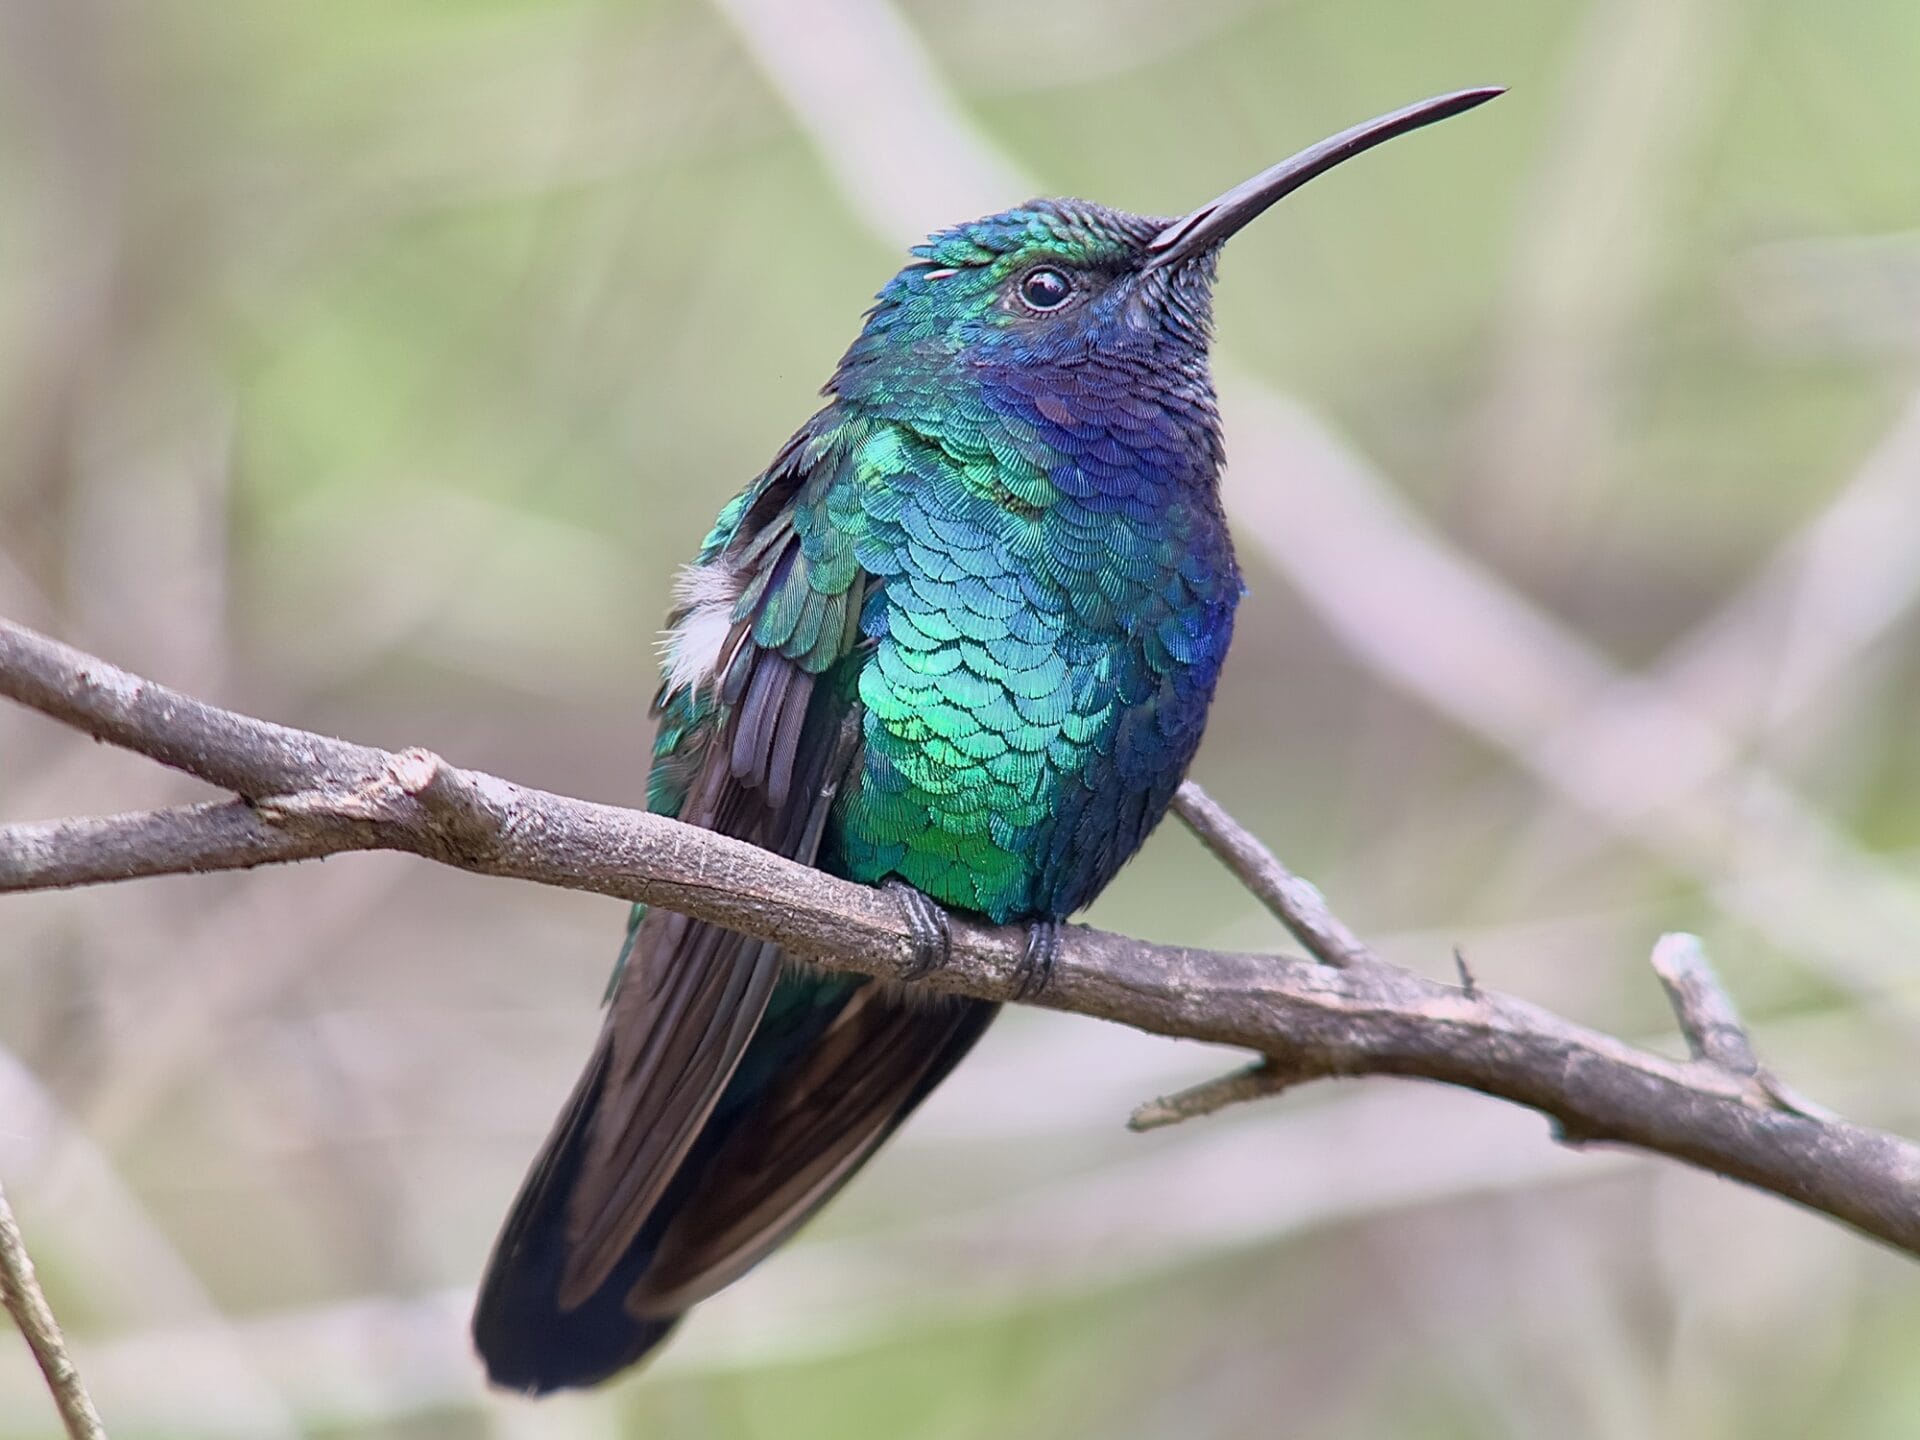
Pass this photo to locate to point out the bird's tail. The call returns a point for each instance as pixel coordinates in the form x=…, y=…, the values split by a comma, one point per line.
x=528, y=1341
x=834, y=1068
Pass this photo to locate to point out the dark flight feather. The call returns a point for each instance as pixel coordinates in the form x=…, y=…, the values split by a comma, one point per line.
x=698, y=1138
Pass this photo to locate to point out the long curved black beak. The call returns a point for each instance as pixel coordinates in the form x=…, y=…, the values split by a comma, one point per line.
x=1217, y=219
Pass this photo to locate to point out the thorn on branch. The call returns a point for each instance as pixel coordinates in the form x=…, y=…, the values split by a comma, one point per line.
x=1468, y=985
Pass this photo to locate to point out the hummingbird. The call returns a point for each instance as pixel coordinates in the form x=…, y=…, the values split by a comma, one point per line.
x=959, y=639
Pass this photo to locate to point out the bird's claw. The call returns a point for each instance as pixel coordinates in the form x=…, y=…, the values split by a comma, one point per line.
x=932, y=934
x=1035, y=969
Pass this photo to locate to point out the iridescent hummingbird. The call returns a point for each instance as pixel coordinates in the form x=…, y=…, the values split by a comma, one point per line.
x=959, y=639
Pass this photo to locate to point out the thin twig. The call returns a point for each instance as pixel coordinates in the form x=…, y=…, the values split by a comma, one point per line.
x=316, y=796
x=1701, y=1005
x=1297, y=903
x=1707, y=1017
x=1254, y=1082
x=20, y=1289
x=126, y=1239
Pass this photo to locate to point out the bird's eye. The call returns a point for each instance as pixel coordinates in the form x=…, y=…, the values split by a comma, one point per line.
x=1045, y=289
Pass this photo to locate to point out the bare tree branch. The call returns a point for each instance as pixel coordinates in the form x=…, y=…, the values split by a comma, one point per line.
x=1297, y=903
x=305, y=795
x=20, y=1289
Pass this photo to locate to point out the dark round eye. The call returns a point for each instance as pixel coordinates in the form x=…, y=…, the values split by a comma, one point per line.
x=1045, y=289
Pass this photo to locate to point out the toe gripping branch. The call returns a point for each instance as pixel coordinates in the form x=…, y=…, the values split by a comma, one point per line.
x=932, y=933
x=1035, y=970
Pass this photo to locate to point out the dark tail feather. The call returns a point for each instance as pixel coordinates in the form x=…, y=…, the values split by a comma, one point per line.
x=832, y=1073
x=526, y=1340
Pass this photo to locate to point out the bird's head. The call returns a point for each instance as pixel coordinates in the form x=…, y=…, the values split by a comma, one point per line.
x=1122, y=301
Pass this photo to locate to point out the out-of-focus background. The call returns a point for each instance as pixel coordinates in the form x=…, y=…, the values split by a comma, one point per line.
x=369, y=366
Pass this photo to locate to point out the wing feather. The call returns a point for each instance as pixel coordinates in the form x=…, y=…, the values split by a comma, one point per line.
x=829, y=1109
x=766, y=764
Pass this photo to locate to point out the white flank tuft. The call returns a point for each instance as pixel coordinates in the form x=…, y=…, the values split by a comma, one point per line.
x=706, y=595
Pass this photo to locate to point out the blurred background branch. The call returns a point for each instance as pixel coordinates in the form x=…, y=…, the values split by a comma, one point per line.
x=20, y=1289
x=1572, y=465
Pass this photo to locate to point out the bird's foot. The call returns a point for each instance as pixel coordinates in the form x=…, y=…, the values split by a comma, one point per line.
x=1035, y=970
x=932, y=934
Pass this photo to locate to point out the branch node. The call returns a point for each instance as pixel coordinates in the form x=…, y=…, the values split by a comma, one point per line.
x=456, y=812
x=415, y=770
